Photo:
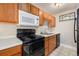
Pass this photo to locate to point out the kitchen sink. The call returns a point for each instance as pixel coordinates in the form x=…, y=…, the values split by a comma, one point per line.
x=47, y=33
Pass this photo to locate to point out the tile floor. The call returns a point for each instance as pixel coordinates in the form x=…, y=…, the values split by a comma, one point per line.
x=64, y=51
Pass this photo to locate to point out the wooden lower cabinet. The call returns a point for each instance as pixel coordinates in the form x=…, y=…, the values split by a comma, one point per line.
x=50, y=44
x=46, y=51
x=18, y=54
x=13, y=51
x=46, y=42
x=46, y=46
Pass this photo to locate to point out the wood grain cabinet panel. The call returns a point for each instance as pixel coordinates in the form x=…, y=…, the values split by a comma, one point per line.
x=12, y=13
x=17, y=50
x=2, y=12
x=24, y=7
x=50, y=44
x=51, y=21
x=46, y=15
x=41, y=18
x=34, y=10
x=9, y=12
x=46, y=42
x=46, y=51
x=46, y=46
x=18, y=54
x=27, y=7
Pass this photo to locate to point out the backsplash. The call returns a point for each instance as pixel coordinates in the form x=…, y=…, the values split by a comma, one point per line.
x=44, y=29
x=7, y=29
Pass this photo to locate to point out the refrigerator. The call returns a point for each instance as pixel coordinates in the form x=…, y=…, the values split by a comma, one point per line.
x=77, y=32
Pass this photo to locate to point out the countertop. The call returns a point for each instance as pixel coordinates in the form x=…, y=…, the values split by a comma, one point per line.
x=11, y=41
x=54, y=33
x=8, y=42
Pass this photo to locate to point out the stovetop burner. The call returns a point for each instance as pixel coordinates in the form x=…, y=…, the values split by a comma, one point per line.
x=28, y=39
x=27, y=35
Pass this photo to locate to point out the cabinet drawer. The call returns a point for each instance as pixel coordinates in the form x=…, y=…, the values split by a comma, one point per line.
x=11, y=51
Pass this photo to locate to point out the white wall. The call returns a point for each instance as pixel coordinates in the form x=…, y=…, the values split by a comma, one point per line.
x=7, y=29
x=66, y=29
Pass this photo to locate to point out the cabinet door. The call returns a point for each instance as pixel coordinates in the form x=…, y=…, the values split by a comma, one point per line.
x=41, y=18
x=46, y=15
x=46, y=51
x=46, y=46
x=52, y=43
x=13, y=51
x=8, y=13
x=18, y=54
x=3, y=12
x=12, y=13
x=51, y=21
x=24, y=6
x=34, y=10
x=46, y=42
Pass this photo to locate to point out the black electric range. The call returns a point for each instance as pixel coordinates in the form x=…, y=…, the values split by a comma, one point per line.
x=33, y=45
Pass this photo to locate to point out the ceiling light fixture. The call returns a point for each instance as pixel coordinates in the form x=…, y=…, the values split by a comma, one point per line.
x=58, y=4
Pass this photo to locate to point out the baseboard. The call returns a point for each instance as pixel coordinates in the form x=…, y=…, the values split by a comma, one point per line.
x=68, y=46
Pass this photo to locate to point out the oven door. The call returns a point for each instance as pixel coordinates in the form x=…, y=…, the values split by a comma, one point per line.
x=35, y=48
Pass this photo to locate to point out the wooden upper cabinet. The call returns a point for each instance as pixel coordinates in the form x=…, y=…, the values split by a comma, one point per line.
x=12, y=13
x=27, y=7
x=8, y=13
x=3, y=12
x=51, y=21
x=34, y=10
x=46, y=15
x=41, y=18
x=24, y=6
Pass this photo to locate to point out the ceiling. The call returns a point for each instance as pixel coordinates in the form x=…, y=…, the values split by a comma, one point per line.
x=52, y=9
